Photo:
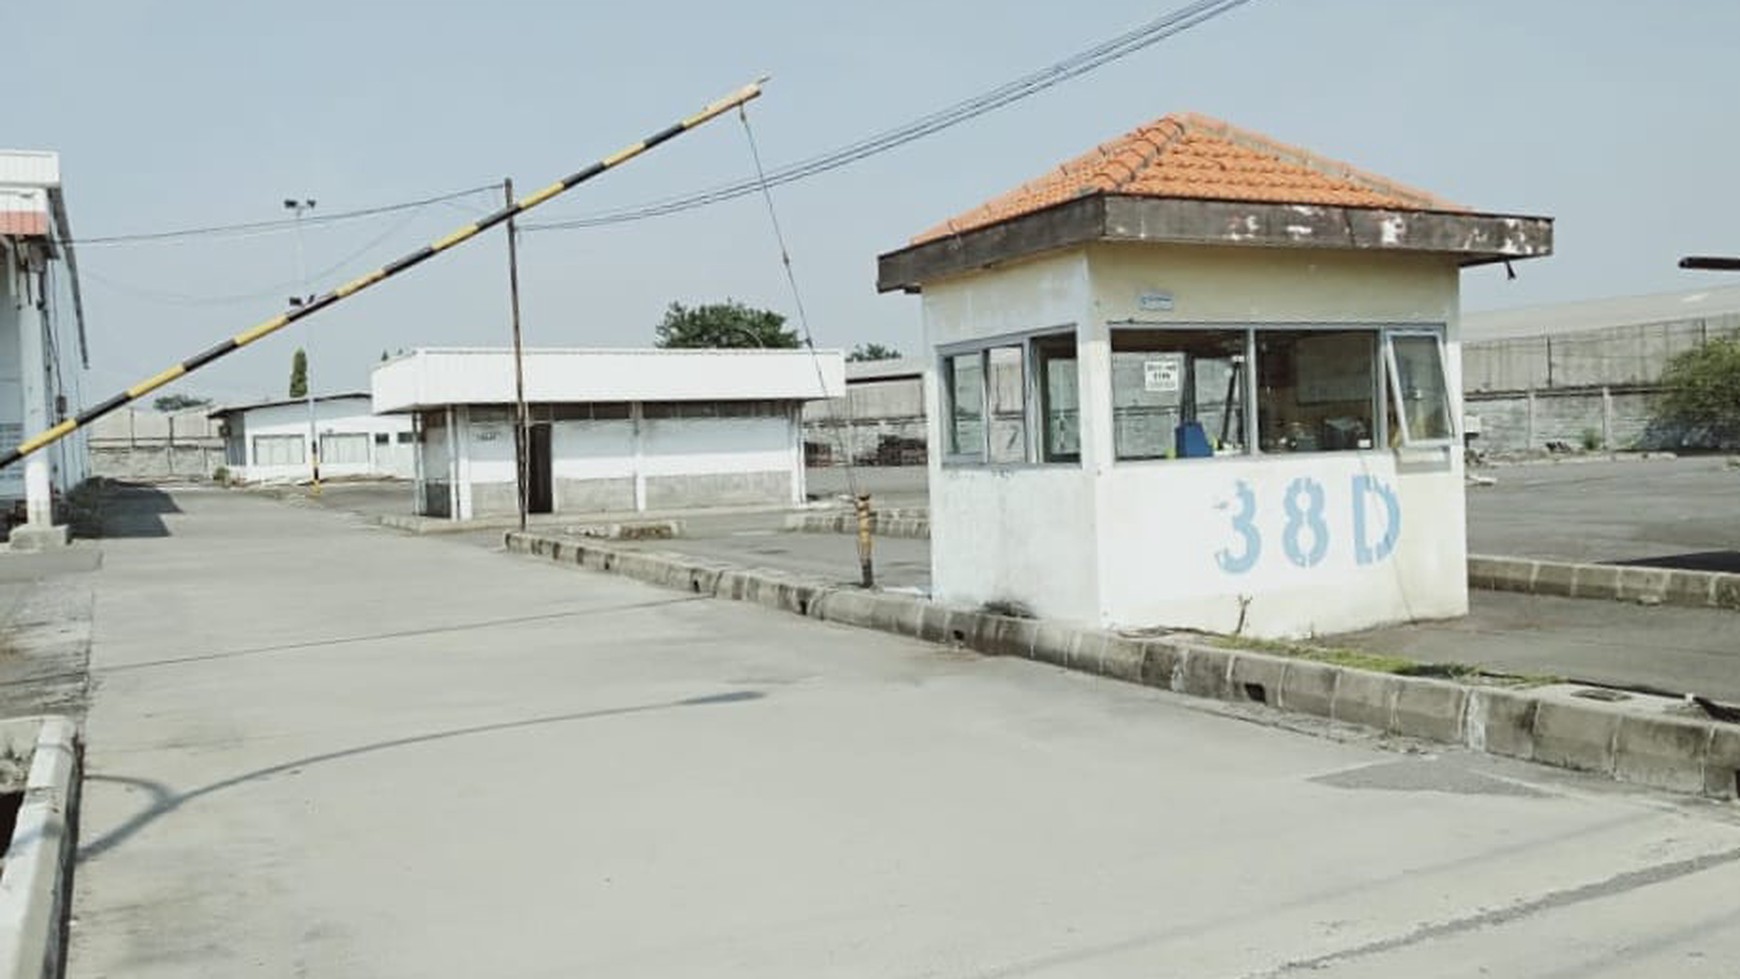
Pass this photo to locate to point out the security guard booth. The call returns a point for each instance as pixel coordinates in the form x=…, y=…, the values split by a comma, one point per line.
x=1196, y=378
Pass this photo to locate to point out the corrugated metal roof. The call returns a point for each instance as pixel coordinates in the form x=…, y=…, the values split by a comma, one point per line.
x=470, y=375
x=233, y=409
x=1600, y=314
x=31, y=168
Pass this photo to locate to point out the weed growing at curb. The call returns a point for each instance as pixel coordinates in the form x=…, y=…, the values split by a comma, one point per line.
x=1360, y=659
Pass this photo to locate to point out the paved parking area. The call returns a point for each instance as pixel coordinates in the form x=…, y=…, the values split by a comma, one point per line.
x=1611, y=511
x=1574, y=510
x=320, y=748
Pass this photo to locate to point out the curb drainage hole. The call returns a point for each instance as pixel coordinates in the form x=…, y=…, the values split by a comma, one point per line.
x=1601, y=694
x=1255, y=691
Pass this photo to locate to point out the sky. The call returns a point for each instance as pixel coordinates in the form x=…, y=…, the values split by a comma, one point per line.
x=1614, y=118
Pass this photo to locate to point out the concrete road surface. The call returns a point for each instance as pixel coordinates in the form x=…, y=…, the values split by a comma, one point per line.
x=318, y=748
x=1680, y=512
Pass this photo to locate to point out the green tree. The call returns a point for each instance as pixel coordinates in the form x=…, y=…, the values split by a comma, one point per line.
x=726, y=324
x=1701, y=389
x=299, y=374
x=383, y=355
x=179, y=402
x=872, y=351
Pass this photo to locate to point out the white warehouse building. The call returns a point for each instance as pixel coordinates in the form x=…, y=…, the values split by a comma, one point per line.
x=610, y=430
x=267, y=442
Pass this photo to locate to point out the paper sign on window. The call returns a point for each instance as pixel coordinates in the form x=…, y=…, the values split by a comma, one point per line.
x=1162, y=375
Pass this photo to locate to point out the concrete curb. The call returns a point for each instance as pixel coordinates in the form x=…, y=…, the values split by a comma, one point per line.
x=1622, y=583
x=1636, y=739
x=884, y=523
x=1647, y=586
x=36, y=882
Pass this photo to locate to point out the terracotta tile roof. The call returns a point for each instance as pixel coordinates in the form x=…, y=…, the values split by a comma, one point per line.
x=1186, y=155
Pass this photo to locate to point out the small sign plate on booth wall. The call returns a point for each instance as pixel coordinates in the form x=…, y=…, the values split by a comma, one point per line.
x=1155, y=301
x=1162, y=375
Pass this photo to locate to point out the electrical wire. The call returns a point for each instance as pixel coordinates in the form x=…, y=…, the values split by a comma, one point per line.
x=253, y=228
x=797, y=297
x=1082, y=62
x=184, y=299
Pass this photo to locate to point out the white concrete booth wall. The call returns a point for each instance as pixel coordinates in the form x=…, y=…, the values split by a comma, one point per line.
x=1173, y=549
x=1276, y=544
x=67, y=460
x=11, y=377
x=1022, y=534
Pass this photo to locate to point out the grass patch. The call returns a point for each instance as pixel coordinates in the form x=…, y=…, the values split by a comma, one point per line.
x=1361, y=659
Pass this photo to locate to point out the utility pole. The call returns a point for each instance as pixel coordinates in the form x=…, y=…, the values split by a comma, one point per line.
x=298, y=206
x=522, y=428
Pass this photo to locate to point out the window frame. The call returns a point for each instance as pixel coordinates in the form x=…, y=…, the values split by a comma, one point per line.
x=1027, y=342
x=1393, y=389
x=1386, y=391
x=301, y=442
x=1247, y=385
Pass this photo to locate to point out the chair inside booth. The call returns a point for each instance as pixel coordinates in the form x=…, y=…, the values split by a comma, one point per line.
x=1178, y=394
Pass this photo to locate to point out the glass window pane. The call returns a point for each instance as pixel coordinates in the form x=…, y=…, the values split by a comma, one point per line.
x=278, y=450
x=966, y=405
x=1008, y=405
x=1177, y=393
x=345, y=449
x=1316, y=389
x=1425, y=402
x=1059, y=392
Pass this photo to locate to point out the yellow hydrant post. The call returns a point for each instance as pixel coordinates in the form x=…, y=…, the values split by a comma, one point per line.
x=866, y=571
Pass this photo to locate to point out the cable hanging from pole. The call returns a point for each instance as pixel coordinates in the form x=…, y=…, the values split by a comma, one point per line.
x=266, y=328
x=796, y=294
x=861, y=501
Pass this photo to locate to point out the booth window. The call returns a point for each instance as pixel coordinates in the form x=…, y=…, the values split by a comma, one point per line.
x=1178, y=393
x=1316, y=389
x=965, y=377
x=1059, y=388
x=1007, y=390
x=1422, y=398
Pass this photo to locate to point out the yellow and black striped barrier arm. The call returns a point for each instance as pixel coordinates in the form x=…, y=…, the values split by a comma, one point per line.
x=276, y=323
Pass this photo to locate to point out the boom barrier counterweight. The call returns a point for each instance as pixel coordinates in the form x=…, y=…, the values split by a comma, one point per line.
x=267, y=328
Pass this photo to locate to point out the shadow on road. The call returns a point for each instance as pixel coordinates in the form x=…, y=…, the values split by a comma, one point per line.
x=165, y=801
x=1722, y=561
x=124, y=510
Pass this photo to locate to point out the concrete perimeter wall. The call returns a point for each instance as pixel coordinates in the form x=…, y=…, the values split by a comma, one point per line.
x=140, y=444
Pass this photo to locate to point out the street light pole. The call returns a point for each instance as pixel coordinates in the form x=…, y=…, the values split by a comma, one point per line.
x=299, y=206
x=522, y=426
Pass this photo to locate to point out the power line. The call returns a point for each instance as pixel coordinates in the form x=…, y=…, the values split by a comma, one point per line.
x=184, y=299
x=247, y=229
x=1082, y=62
